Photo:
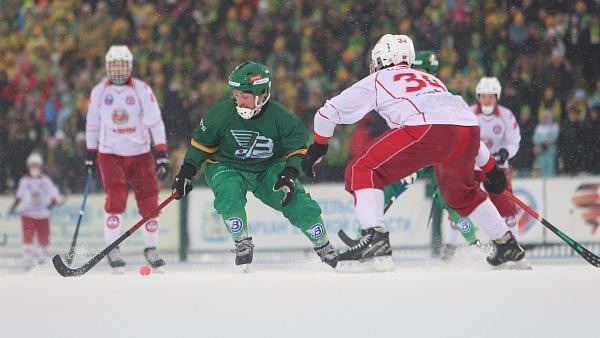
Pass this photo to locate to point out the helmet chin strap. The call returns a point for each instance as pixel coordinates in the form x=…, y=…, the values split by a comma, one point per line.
x=488, y=110
x=248, y=113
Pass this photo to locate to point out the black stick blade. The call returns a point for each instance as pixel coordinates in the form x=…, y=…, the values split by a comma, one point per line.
x=589, y=256
x=347, y=239
x=62, y=269
x=66, y=271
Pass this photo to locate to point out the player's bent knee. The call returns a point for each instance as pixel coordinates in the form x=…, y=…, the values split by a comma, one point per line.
x=229, y=205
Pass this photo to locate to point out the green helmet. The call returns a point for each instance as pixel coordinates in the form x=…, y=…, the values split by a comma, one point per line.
x=251, y=77
x=426, y=60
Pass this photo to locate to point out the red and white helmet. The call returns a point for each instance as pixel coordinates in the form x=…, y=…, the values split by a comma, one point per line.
x=392, y=50
x=119, y=63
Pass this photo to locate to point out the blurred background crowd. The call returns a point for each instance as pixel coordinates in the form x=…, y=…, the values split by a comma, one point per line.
x=545, y=53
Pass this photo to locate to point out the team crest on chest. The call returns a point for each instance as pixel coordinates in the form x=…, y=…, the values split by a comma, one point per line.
x=130, y=100
x=497, y=129
x=108, y=99
x=253, y=145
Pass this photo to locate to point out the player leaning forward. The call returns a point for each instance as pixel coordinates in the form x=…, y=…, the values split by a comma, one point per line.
x=122, y=114
x=429, y=126
x=254, y=144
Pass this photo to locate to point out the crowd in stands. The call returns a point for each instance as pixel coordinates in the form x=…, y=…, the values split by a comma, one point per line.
x=545, y=53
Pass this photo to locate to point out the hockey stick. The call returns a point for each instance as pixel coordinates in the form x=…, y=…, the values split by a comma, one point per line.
x=66, y=271
x=86, y=190
x=583, y=252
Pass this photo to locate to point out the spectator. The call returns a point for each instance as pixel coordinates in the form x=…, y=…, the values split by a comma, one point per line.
x=570, y=148
x=544, y=140
x=591, y=141
x=523, y=161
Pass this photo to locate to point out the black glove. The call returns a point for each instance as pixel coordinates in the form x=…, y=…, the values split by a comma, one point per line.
x=286, y=181
x=162, y=164
x=183, y=181
x=501, y=156
x=315, y=153
x=90, y=160
x=496, y=180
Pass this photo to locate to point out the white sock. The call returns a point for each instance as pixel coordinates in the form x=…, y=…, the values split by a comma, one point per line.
x=453, y=233
x=112, y=227
x=43, y=253
x=369, y=207
x=488, y=219
x=513, y=226
x=150, y=233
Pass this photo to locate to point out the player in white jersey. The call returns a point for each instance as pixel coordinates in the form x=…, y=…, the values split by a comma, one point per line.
x=36, y=193
x=123, y=116
x=429, y=126
x=501, y=134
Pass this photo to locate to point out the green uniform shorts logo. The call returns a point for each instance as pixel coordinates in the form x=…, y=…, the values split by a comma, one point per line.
x=253, y=144
x=464, y=225
x=234, y=224
x=316, y=231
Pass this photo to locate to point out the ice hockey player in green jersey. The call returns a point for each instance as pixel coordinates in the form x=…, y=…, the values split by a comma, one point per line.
x=252, y=143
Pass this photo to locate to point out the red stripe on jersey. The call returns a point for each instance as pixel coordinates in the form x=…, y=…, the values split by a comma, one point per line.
x=402, y=98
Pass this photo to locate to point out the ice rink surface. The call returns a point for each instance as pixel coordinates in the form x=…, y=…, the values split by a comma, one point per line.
x=305, y=299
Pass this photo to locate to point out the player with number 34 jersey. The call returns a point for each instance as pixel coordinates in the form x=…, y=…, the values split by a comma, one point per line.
x=429, y=126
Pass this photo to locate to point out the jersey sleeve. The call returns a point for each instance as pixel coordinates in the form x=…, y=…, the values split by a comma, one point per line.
x=293, y=138
x=484, y=159
x=92, y=121
x=512, y=136
x=348, y=107
x=52, y=190
x=205, y=140
x=152, y=117
x=20, y=194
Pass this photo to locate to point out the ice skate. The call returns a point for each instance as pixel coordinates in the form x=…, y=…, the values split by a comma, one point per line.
x=28, y=265
x=506, y=253
x=447, y=252
x=154, y=260
x=372, y=253
x=244, y=249
x=328, y=254
x=115, y=261
x=42, y=258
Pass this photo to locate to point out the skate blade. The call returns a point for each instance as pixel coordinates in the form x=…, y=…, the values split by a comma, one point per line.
x=522, y=264
x=159, y=270
x=376, y=264
x=118, y=271
x=245, y=268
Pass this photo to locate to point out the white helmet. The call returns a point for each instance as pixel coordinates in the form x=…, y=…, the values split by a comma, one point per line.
x=489, y=85
x=116, y=71
x=392, y=50
x=34, y=158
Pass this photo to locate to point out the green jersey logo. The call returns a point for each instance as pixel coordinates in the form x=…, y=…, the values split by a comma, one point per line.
x=253, y=144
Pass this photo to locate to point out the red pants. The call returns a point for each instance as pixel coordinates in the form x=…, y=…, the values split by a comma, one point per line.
x=32, y=226
x=119, y=172
x=400, y=152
